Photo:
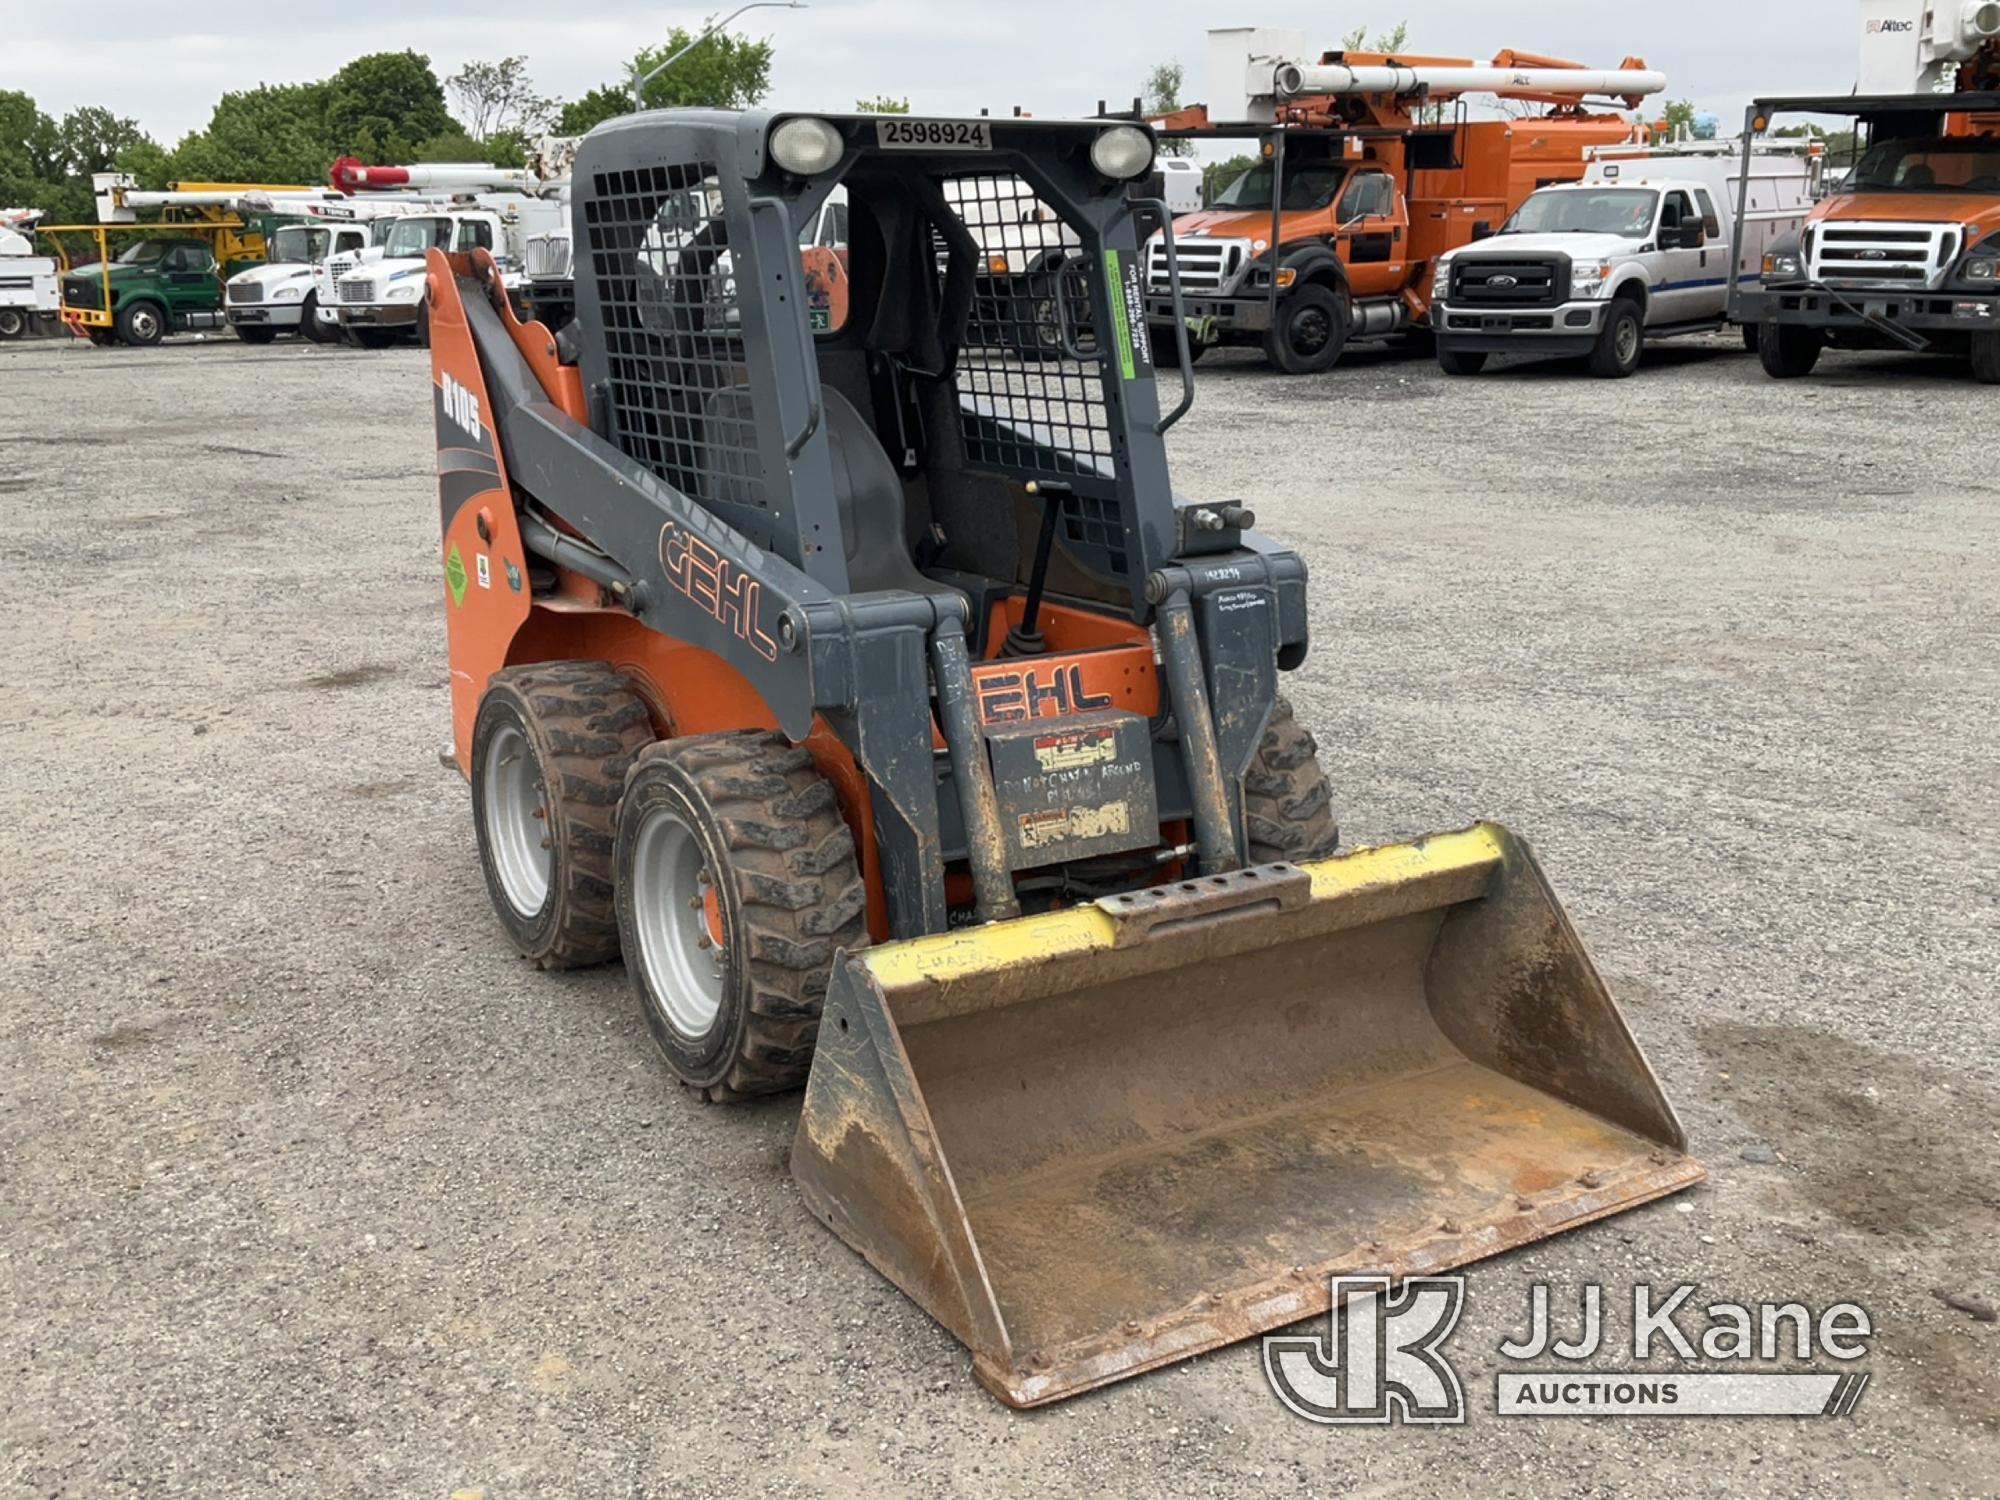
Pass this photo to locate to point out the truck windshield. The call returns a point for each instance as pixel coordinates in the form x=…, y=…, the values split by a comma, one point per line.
x=1626, y=211
x=1970, y=165
x=145, y=253
x=298, y=245
x=411, y=238
x=1306, y=188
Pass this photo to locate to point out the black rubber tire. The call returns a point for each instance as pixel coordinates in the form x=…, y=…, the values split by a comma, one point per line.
x=585, y=725
x=1986, y=358
x=424, y=324
x=1167, y=347
x=1461, y=361
x=1789, y=351
x=13, y=323
x=1620, y=342
x=1290, y=343
x=251, y=334
x=789, y=896
x=1750, y=333
x=141, y=324
x=310, y=326
x=1287, y=803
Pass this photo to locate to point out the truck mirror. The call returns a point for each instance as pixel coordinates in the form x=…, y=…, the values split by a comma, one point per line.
x=1690, y=235
x=1482, y=229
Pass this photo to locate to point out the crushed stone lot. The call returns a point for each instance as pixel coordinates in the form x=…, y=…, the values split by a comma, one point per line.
x=309, y=1187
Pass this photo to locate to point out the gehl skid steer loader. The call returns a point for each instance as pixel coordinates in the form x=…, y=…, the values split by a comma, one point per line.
x=855, y=673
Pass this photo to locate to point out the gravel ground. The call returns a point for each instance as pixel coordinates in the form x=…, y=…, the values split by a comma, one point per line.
x=308, y=1187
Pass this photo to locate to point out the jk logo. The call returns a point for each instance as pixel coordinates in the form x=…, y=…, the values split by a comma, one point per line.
x=1379, y=1360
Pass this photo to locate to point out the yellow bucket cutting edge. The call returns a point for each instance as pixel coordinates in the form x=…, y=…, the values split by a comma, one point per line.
x=1101, y=1140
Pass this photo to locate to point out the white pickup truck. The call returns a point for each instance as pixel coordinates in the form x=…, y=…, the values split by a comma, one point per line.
x=1636, y=252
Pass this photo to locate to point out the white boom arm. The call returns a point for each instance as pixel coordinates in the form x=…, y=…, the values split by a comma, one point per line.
x=1292, y=79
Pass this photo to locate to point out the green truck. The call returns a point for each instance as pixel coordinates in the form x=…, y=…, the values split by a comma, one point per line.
x=161, y=284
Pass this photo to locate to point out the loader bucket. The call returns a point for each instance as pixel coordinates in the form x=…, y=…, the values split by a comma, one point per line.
x=1101, y=1140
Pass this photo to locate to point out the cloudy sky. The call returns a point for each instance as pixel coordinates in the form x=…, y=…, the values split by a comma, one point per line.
x=164, y=62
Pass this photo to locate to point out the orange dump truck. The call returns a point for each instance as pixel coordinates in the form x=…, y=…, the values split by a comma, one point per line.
x=1369, y=168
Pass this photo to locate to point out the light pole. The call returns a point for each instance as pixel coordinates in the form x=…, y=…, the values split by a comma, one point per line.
x=639, y=81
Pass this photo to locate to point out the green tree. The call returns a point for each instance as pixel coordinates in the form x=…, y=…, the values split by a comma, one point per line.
x=31, y=151
x=1678, y=117
x=381, y=107
x=1162, y=96
x=277, y=133
x=882, y=104
x=1386, y=41
x=498, y=97
x=724, y=72
x=92, y=139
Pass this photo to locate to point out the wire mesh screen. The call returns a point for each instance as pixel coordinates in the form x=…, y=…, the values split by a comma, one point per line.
x=1031, y=389
x=680, y=398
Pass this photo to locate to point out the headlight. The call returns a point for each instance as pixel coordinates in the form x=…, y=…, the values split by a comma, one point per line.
x=1588, y=278
x=805, y=146
x=287, y=294
x=1781, y=267
x=1979, y=270
x=409, y=291
x=1440, y=281
x=1123, y=151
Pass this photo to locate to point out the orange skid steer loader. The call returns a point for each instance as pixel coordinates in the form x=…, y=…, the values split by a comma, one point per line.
x=849, y=666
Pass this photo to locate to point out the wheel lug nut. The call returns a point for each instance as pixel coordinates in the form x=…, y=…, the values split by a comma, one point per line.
x=694, y=903
x=702, y=941
x=548, y=843
x=541, y=814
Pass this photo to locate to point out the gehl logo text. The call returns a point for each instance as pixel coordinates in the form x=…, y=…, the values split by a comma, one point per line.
x=1035, y=693
x=461, y=407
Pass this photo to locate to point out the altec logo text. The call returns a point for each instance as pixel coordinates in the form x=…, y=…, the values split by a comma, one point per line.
x=1382, y=1358
x=1877, y=27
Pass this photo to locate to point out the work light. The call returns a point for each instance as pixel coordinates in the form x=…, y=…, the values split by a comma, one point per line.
x=1123, y=151
x=805, y=145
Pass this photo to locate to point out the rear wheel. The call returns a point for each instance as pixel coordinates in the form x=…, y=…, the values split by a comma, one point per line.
x=1986, y=358
x=737, y=883
x=13, y=323
x=251, y=334
x=1310, y=332
x=1788, y=351
x=1461, y=361
x=550, y=749
x=142, y=324
x=1287, y=803
x=1619, y=342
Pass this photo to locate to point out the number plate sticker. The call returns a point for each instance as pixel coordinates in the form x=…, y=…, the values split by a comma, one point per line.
x=900, y=133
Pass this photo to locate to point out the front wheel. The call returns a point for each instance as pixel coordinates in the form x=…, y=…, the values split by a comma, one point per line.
x=1310, y=332
x=142, y=324
x=1986, y=358
x=737, y=884
x=1460, y=361
x=550, y=748
x=312, y=327
x=1287, y=802
x=1616, y=352
x=1789, y=351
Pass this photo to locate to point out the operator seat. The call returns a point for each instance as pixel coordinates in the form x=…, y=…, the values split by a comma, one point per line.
x=867, y=491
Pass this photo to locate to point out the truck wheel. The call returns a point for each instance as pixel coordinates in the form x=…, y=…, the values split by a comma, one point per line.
x=1287, y=804
x=1986, y=358
x=310, y=325
x=737, y=883
x=550, y=749
x=1750, y=337
x=142, y=324
x=12, y=323
x=1461, y=361
x=1310, y=331
x=1789, y=351
x=1619, y=342
x=251, y=334
x=424, y=326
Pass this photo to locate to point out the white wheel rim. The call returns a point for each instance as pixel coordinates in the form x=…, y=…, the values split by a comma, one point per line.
x=1628, y=342
x=517, y=822
x=143, y=323
x=684, y=968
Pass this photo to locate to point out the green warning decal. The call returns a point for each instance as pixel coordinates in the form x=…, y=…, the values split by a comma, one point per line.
x=1128, y=315
x=454, y=576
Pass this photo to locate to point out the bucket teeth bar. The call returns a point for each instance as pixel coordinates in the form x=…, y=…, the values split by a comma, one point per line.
x=1101, y=1140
